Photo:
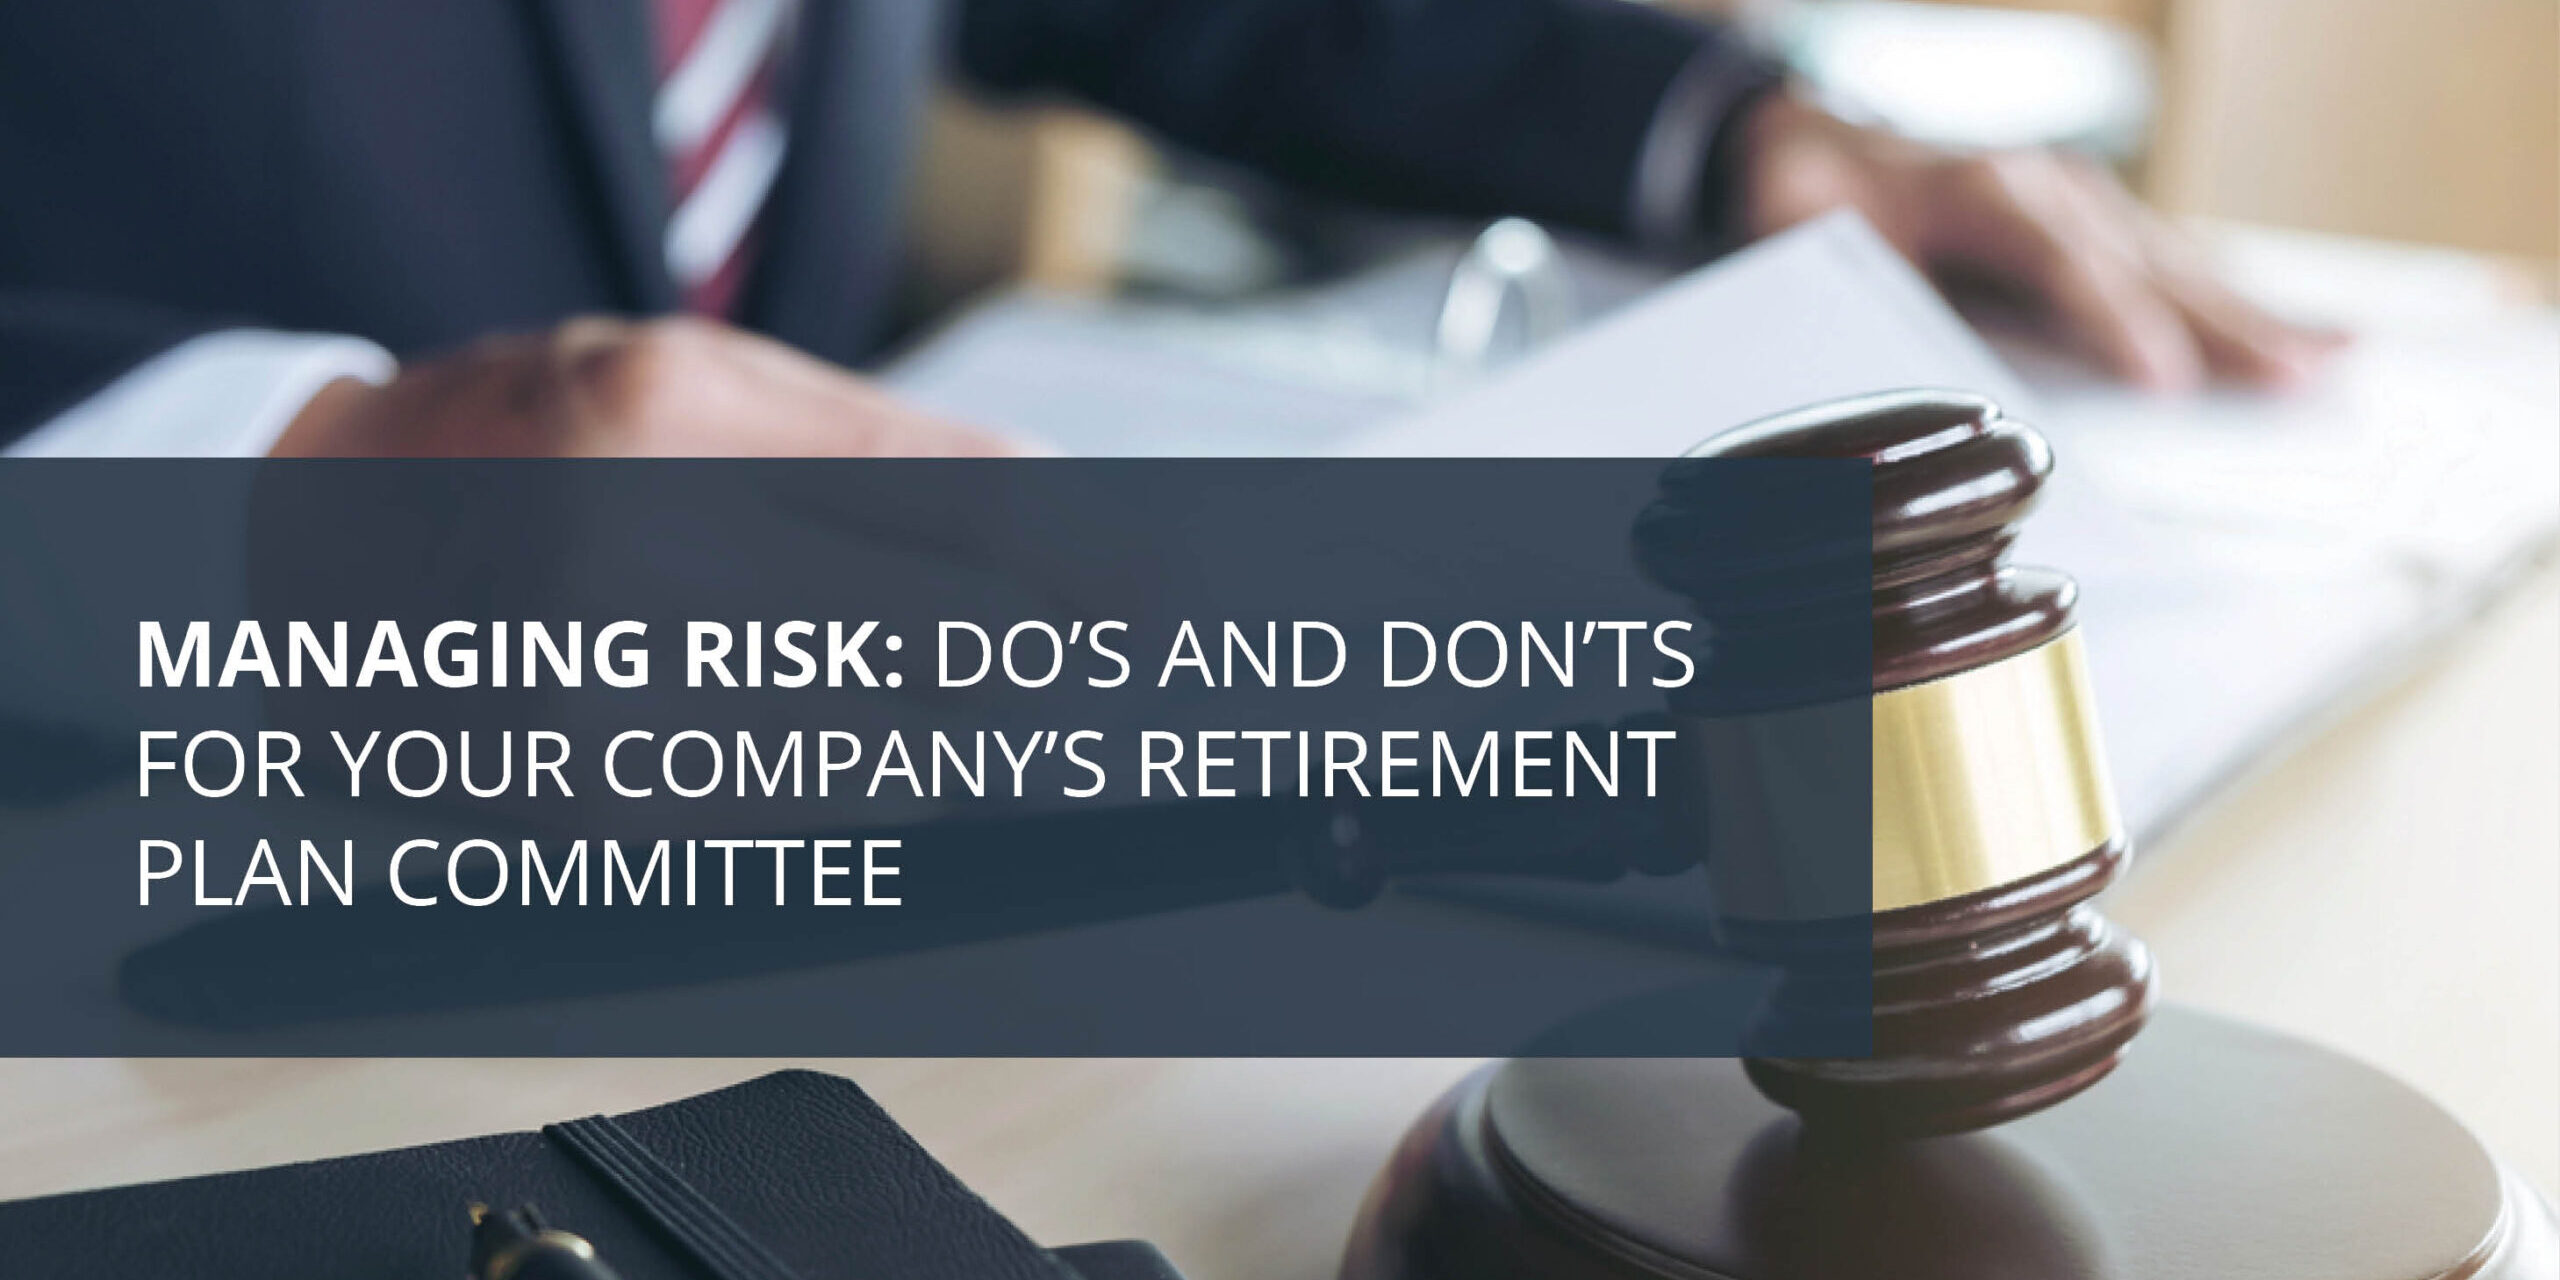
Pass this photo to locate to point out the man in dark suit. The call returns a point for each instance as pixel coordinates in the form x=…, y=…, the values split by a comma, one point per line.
x=316, y=226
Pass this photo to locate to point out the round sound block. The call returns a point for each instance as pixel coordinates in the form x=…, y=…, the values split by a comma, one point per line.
x=2216, y=1151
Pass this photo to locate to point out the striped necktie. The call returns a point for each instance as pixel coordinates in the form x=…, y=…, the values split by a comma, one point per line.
x=723, y=141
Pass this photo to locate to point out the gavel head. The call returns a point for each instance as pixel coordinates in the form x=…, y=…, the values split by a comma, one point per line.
x=1997, y=989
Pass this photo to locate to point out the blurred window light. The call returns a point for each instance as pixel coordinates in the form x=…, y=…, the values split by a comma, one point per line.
x=1975, y=77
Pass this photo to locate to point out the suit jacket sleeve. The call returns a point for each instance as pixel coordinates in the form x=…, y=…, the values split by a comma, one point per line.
x=1538, y=107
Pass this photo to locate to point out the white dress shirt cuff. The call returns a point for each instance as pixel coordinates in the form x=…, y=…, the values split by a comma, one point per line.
x=227, y=394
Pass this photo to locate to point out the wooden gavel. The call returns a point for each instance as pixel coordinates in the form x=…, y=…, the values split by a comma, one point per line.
x=1997, y=989
x=1993, y=989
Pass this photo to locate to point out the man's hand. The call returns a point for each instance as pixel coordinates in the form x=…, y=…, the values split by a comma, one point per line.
x=2054, y=230
x=677, y=387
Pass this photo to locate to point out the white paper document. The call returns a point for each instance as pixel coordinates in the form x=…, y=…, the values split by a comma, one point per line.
x=2247, y=562
x=1822, y=311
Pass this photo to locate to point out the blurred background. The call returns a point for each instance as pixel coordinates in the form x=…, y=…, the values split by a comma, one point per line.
x=2384, y=885
x=2427, y=121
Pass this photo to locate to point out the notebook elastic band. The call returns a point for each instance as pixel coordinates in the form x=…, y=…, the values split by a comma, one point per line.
x=723, y=1249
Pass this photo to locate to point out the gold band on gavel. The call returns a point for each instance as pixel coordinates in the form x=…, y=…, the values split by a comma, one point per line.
x=1988, y=777
x=1980, y=779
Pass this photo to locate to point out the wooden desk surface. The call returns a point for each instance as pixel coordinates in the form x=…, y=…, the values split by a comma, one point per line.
x=2391, y=889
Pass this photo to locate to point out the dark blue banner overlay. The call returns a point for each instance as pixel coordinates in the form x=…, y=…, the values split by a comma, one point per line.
x=1048, y=756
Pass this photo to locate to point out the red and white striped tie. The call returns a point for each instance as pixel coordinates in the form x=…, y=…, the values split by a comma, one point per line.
x=723, y=141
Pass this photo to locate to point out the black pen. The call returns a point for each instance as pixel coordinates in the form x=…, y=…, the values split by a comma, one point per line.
x=518, y=1245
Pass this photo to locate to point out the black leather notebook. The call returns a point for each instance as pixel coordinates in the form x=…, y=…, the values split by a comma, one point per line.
x=794, y=1176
